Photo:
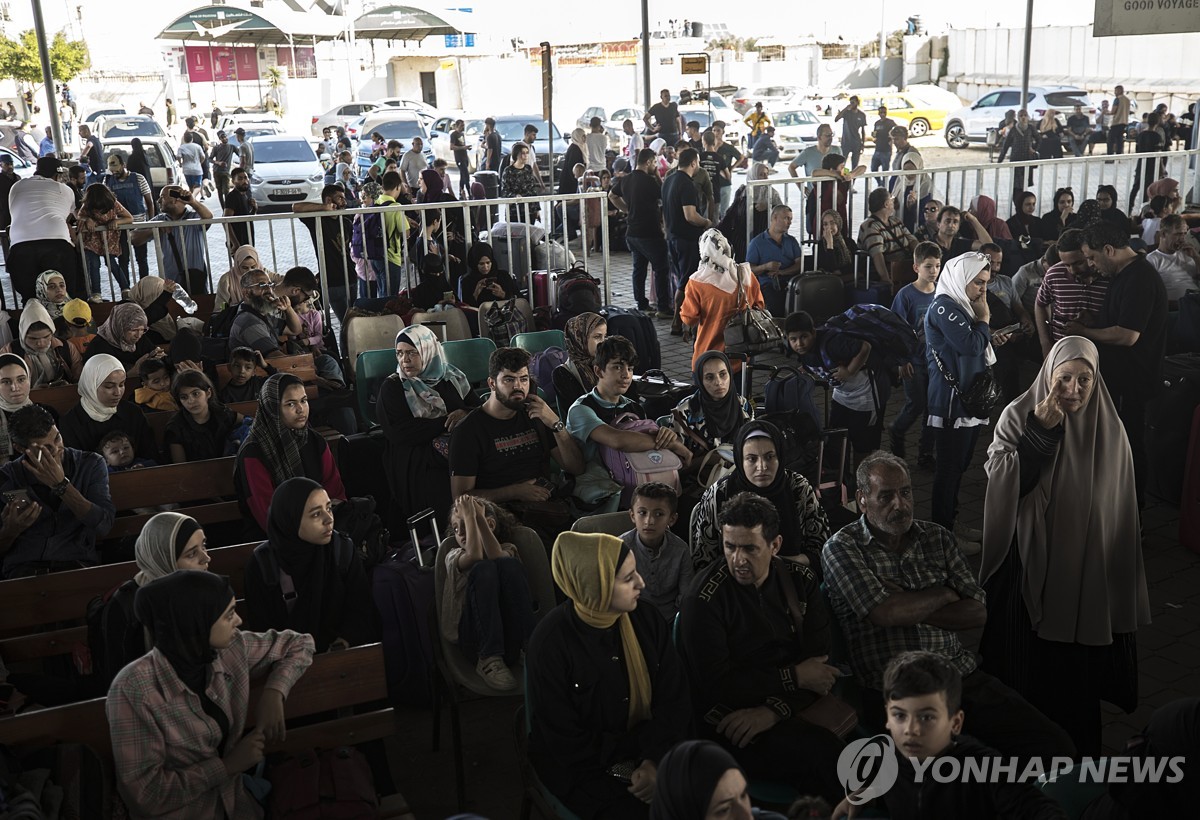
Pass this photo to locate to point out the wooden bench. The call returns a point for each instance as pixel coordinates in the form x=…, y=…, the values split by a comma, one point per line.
x=335, y=680
x=301, y=366
x=31, y=604
x=65, y=396
x=194, y=485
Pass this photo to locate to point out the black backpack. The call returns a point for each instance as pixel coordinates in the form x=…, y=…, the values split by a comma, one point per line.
x=106, y=659
x=274, y=576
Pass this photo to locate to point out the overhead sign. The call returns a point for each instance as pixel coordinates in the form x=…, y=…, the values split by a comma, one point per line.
x=209, y=64
x=1115, y=17
x=694, y=65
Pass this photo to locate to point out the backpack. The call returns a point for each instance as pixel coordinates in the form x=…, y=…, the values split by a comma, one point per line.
x=100, y=663
x=790, y=389
x=274, y=575
x=889, y=336
x=221, y=322
x=576, y=292
x=631, y=469
x=333, y=783
x=356, y=519
x=503, y=321
x=541, y=367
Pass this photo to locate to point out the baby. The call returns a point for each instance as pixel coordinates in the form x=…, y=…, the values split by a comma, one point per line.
x=117, y=449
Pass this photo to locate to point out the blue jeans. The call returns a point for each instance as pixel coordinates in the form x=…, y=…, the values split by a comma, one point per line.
x=881, y=161
x=725, y=198
x=497, y=617
x=387, y=275
x=916, y=399
x=955, y=448
x=116, y=266
x=650, y=250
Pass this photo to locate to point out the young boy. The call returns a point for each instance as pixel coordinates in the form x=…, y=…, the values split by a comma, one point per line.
x=923, y=693
x=663, y=558
x=117, y=449
x=243, y=384
x=77, y=315
x=589, y=417
x=155, y=392
x=911, y=304
x=860, y=382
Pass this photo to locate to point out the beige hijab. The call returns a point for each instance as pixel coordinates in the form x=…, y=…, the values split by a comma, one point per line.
x=146, y=293
x=1078, y=529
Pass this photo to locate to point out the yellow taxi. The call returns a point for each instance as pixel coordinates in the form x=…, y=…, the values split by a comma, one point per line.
x=919, y=116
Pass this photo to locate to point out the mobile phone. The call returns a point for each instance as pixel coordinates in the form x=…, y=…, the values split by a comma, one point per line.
x=19, y=497
x=621, y=771
x=715, y=715
x=178, y=194
x=1010, y=329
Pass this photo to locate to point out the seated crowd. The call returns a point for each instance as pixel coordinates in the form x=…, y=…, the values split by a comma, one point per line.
x=775, y=620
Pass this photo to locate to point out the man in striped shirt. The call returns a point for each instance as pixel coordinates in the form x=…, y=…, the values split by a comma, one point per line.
x=1071, y=290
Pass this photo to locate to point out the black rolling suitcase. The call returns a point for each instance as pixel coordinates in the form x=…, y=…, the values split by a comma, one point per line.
x=820, y=295
x=638, y=328
x=1169, y=424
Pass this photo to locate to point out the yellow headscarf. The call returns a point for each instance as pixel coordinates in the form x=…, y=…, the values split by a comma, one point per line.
x=585, y=569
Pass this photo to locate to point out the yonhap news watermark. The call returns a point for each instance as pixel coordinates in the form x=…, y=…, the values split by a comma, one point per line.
x=868, y=768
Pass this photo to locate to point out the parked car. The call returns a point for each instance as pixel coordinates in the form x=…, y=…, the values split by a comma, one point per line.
x=286, y=171
x=736, y=129
x=614, y=121
x=427, y=112
x=771, y=96
x=230, y=122
x=126, y=126
x=254, y=130
x=908, y=110
x=511, y=128
x=439, y=136
x=21, y=166
x=971, y=123
x=795, y=130
x=93, y=116
x=160, y=153
x=341, y=115
x=392, y=124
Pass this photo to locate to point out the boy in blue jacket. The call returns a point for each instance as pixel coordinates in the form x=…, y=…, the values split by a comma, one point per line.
x=911, y=304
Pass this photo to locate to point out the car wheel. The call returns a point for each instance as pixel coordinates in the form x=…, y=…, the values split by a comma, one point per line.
x=918, y=128
x=956, y=136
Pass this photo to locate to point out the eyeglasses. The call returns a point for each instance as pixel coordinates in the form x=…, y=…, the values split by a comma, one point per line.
x=932, y=209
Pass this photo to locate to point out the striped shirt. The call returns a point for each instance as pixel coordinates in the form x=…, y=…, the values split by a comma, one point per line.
x=1068, y=297
x=856, y=565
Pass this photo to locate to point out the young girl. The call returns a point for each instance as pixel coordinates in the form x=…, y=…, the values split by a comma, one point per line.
x=312, y=323
x=98, y=216
x=203, y=426
x=486, y=604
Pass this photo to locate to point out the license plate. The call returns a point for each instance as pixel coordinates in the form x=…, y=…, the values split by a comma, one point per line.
x=288, y=192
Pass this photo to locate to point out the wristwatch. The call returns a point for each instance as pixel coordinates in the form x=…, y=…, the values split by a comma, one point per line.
x=558, y=426
x=60, y=489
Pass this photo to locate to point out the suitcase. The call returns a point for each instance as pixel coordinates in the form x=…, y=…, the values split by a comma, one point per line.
x=402, y=586
x=1189, y=504
x=513, y=257
x=820, y=295
x=638, y=328
x=360, y=461
x=541, y=292
x=659, y=393
x=867, y=294
x=1168, y=426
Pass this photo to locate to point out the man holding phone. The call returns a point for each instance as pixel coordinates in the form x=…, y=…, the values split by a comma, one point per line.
x=184, y=250
x=56, y=500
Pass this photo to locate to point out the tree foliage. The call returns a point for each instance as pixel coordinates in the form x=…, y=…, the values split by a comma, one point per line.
x=19, y=58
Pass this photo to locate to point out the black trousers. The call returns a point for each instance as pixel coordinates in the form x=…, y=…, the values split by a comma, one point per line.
x=1131, y=408
x=28, y=260
x=795, y=752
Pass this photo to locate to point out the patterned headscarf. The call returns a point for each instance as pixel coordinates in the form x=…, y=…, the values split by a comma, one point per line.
x=41, y=284
x=577, y=331
x=124, y=316
x=280, y=445
x=423, y=400
x=717, y=266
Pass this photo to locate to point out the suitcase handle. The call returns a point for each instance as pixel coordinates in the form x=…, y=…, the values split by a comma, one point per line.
x=413, y=522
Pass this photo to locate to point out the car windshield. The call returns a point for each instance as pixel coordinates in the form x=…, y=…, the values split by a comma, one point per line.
x=283, y=151
x=514, y=130
x=403, y=130
x=132, y=128
x=1067, y=99
x=153, y=155
x=801, y=117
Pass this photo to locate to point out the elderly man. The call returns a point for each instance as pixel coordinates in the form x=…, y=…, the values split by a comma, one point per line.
x=184, y=250
x=897, y=584
x=775, y=257
x=1176, y=258
x=755, y=635
x=412, y=163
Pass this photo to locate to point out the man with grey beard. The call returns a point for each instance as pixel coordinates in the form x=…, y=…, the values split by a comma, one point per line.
x=263, y=315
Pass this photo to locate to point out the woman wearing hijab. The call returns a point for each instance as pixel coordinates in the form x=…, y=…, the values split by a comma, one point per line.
x=1106, y=198
x=332, y=600
x=14, y=394
x=576, y=154
x=178, y=715
x=485, y=282
x=757, y=453
x=123, y=335
x=138, y=162
x=50, y=359
x=169, y=541
x=51, y=290
x=1062, y=557
x=1026, y=226
x=957, y=335
x=1058, y=220
x=984, y=208
x=606, y=686
x=576, y=377
x=229, y=286
x=1089, y=214
x=715, y=412
x=712, y=293
x=148, y=291
x=280, y=446
x=418, y=406
x=101, y=410
x=699, y=780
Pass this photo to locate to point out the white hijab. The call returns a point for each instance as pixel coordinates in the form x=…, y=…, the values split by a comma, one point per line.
x=956, y=275
x=43, y=367
x=95, y=371
x=717, y=266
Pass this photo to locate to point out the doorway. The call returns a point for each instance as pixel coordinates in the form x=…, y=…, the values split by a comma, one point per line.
x=429, y=88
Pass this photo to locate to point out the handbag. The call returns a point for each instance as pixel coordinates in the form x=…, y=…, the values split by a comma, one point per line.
x=504, y=321
x=717, y=463
x=828, y=711
x=983, y=394
x=750, y=330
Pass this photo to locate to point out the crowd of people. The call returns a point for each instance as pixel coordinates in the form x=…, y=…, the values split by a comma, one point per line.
x=764, y=602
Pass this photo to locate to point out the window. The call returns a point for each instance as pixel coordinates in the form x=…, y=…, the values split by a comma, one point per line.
x=131, y=128
x=1067, y=99
x=896, y=103
x=989, y=101
x=289, y=151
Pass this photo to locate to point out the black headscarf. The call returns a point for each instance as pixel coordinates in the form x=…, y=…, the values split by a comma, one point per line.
x=318, y=583
x=722, y=418
x=779, y=492
x=687, y=777
x=279, y=444
x=138, y=162
x=179, y=611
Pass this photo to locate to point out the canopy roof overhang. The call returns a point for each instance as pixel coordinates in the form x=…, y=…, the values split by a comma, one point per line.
x=230, y=25
x=409, y=23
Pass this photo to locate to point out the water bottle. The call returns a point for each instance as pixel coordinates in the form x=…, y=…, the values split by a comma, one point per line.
x=185, y=301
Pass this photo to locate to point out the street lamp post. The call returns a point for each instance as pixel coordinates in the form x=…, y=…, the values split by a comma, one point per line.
x=39, y=28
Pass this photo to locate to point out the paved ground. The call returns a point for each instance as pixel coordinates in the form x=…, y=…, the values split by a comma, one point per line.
x=1169, y=649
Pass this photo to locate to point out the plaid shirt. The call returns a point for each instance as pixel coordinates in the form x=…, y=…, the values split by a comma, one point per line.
x=164, y=746
x=856, y=564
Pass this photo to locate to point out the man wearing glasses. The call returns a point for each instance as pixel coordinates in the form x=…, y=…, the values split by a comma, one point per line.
x=1176, y=259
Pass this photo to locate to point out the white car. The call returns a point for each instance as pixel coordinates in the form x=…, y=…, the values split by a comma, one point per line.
x=795, y=130
x=392, y=124
x=341, y=115
x=426, y=112
x=971, y=123
x=160, y=154
x=286, y=171
x=230, y=122
x=614, y=121
x=771, y=96
x=126, y=126
x=439, y=136
x=21, y=166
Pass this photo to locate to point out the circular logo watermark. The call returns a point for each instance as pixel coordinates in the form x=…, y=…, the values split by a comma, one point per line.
x=867, y=768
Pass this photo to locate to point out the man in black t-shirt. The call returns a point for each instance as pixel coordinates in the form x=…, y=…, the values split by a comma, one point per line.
x=458, y=144
x=681, y=215
x=240, y=202
x=667, y=123
x=335, y=238
x=501, y=451
x=637, y=195
x=1130, y=333
x=733, y=158
x=715, y=163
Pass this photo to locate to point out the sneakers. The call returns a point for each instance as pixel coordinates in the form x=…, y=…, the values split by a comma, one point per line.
x=495, y=674
x=95, y=298
x=897, y=440
x=969, y=547
x=965, y=533
x=125, y=295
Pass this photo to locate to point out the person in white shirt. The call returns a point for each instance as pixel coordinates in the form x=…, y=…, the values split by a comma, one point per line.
x=412, y=163
x=1177, y=259
x=597, y=145
x=39, y=236
x=635, y=144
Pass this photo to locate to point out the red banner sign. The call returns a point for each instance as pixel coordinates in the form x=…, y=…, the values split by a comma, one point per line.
x=208, y=64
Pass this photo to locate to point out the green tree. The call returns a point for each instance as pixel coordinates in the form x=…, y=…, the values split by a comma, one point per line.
x=19, y=58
